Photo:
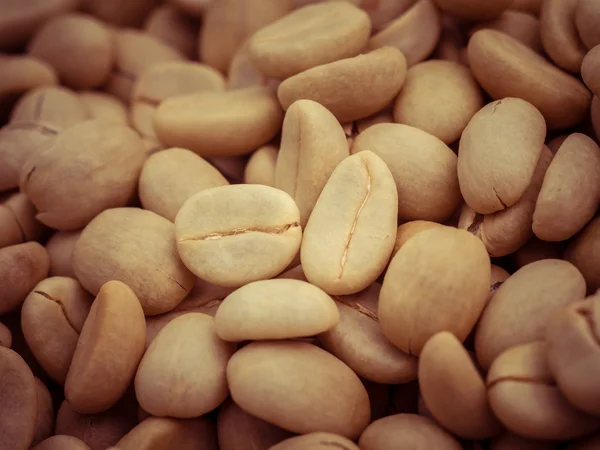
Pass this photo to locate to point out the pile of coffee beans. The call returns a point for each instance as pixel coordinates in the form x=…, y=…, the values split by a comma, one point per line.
x=299, y=224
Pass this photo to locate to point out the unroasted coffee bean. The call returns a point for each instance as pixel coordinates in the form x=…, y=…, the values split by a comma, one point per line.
x=316, y=441
x=60, y=250
x=521, y=307
x=299, y=387
x=453, y=389
x=18, y=222
x=117, y=241
x=243, y=73
x=406, y=432
x=312, y=145
x=83, y=173
x=524, y=397
x=22, y=267
x=589, y=70
x=424, y=169
x=52, y=317
x=232, y=235
x=19, y=74
x=275, y=309
x=5, y=336
x=108, y=351
x=501, y=133
x=352, y=99
x=104, y=106
x=61, y=442
x=262, y=167
x=430, y=288
x=44, y=419
x=522, y=26
x=353, y=222
x=56, y=107
x=583, y=253
x=186, y=350
x=562, y=99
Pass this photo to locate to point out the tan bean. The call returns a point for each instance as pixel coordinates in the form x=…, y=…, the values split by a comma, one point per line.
x=351, y=232
x=555, y=143
x=587, y=20
x=5, y=336
x=19, y=74
x=559, y=34
x=351, y=100
x=582, y=252
x=524, y=397
x=242, y=72
x=562, y=99
x=61, y=442
x=186, y=349
x=275, y=309
x=308, y=37
x=239, y=430
x=424, y=169
x=428, y=288
x=523, y=26
x=409, y=229
x=490, y=180
x=262, y=166
x=405, y=432
x=382, y=12
x=359, y=342
x=384, y=116
x=589, y=70
x=172, y=27
x=23, y=266
x=446, y=114
x=312, y=145
x=100, y=105
x=44, y=421
x=118, y=13
x=299, y=387
x=82, y=173
x=506, y=231
x=52, y=317
x=453, y=389
x=17, y=219
x=66, y=42
x=521, y=307
x=415, y=33
x=163, y=432
x=252, y=233
x=199, y=121
x=18, y=398
x=60, y=250
x=316, y=441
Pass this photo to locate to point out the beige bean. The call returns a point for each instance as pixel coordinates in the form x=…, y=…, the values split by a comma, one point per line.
x=18, y=398
x=79, y=47
x=98, y=431
x=308, y=37
x=114, y=246
x=587, y=20
x=82, y=173
x=352, y=99
x=228, y=23
x=186, y=350
x=358, y=341
x=589, y=70
x=195, y=8
x=382, y=12
x=163, y=432
x=570, y=194
x=239, y=430
x=500, y=134
x=428, y=288
x=572, y=336
x=405, y=432
x=242, y=72
x=109, y=349
x=582, y=252
x=474, y=10
x=200, y=122
x=351, y=232
x=506, y=231
x=384, y=116
x=424, y=169
x=17, y=219
x=530, y=6
x=415, y=33
x=44, y=421
x=100, y=105
x=562, y=99
x=252, y=233
x=510, y=441
x=5, y=336
x=523, y=26
x=60, y=250
x=559, y=34
x=23, y=266
x=262, y=166
x=19, y=74
x=446, y=113
x=409, y=229
x=315, y=441
x=299, y=387
x=521, y=307
x=172, y=176
x=275, y=309
x=172, y=27
x=312, y=145
x=524, y=397
x=453, y=389
x=61, y=442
